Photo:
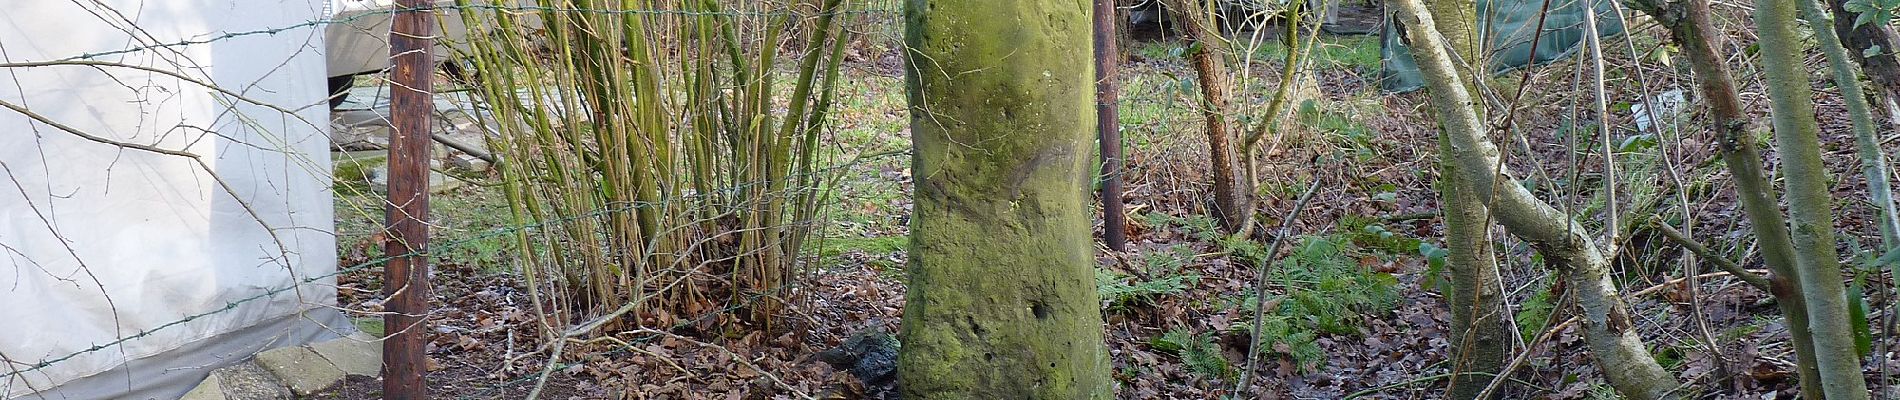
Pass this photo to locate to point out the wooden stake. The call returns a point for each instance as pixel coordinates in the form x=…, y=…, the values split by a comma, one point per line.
x=1108, y=126
x=406, y=278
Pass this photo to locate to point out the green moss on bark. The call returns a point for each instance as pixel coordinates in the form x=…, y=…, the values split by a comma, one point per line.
x=1001, y=302
x=1810, y=204
x=1480, y=334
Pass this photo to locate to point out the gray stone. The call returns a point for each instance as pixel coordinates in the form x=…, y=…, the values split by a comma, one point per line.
x=248, y=381
x=467, y=130
x=358, y=130
x=207, y=390
x=245, y=381
x=442, y=183
x=370, y=157
x=438, y=182
x=368, y=126
x=469, y=163
x=372, y=168
x=358, y=354
x=300, y=368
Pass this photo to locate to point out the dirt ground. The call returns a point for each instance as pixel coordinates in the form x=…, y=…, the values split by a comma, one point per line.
x=485, y=342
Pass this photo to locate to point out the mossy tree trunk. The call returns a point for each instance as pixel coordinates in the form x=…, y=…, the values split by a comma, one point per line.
x=1001, y=301
x=1481, y=340
x=1608, y=330
x=1810, y=206
x=1694, y=32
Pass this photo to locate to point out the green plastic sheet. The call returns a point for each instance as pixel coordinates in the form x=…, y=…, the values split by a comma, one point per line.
x=1508, y=27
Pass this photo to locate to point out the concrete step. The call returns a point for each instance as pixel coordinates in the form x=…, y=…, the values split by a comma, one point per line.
x=290, y=372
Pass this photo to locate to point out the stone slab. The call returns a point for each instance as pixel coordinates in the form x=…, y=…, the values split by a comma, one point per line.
x=301, y=369
x=245, y=381
x=358, y=354
x=248, y=381
x=469, y=163
x=210, y=389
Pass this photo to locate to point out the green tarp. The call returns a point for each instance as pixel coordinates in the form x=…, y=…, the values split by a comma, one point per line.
x=1509, y=29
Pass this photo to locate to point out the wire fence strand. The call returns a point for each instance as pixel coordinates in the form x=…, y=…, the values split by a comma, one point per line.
x=21, y=368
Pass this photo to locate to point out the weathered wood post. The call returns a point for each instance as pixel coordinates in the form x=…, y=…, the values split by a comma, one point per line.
x=406, y=277
x=1108, y=126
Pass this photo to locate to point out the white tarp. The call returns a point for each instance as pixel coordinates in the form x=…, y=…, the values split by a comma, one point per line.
x=121, y=267
x=358, y=39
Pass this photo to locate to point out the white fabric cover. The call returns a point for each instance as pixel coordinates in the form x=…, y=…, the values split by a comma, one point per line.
x=358, y=38
x=100, y=243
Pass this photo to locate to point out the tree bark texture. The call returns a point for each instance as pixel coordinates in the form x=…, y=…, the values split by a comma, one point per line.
x=1810, y=207
x=1883, y=68
x=406, y=215
x=1001, y=301
x=1693, y=31
x=1232, y=205
x=1481, y=336
x=1481, y=340
x=1866, y=136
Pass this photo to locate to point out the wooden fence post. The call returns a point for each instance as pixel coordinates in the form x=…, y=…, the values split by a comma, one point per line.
x=1108, y=126
x=406, y=277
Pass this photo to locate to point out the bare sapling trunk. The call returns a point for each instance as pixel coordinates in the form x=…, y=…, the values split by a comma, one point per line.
x=1694, y=32
x=1620, y=353
x=1001, y=301
x=1844, y=45
x=1232, y=197
x=1810, y=206
x=1482, y=338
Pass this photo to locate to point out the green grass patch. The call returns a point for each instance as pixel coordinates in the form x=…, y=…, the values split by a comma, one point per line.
x=1357, y=52
x=1199, y=226
x=353, y=170
x=372, y=326
x=1161, y=50
x=464, y=224
x=1120, y=292
x=1338, y=123
x=869, y=143
x=1198, y=351
x=1368, y=233
x=1325, y=290
x=881, y=245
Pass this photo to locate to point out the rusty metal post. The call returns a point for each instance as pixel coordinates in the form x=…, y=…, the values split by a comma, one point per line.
x=1108, y=126
x=406, y=278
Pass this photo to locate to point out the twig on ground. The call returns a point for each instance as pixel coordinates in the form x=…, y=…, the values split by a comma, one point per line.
x=1559, y=327
x=1403, y=217
x=1429, y=378
x=1753, y=279
x=1498, y=380
x=735, y=356
x=546, y=370
x=630, y=347
x=1260, y=285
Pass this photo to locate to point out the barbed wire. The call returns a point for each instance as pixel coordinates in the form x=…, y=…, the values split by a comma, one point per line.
x=610, y=209
x=875, y=8
x=386, y=12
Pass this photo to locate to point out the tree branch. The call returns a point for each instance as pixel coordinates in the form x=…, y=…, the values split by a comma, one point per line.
x=1758, y=281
